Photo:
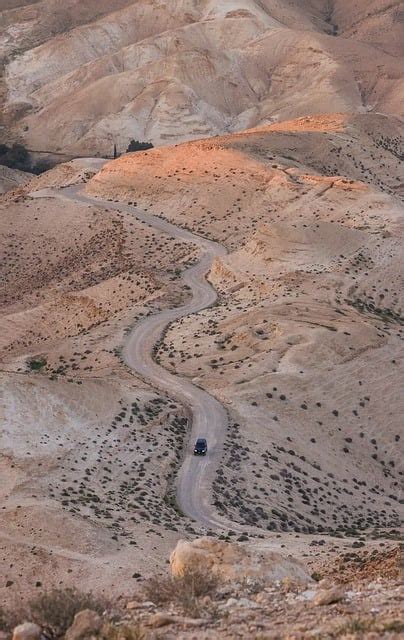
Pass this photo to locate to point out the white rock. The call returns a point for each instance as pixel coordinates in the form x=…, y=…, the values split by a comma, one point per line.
x=27, y=631
x=234, y=562
x=240, y=602
x=85, y=623
x=306, y=595
x=328, y=596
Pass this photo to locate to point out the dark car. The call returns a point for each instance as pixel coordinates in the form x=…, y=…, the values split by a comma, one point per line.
x=201, y=447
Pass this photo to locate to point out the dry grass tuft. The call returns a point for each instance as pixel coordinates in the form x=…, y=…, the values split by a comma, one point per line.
x=53, y=611
x=183, y=591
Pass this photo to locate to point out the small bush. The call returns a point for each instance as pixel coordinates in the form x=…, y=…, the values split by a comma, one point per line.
x=8, y=620
x=183, y=590
x=15, y=157
x=54, y=610
x=396, y=626
x=36, y=364
x=354, y=626
x=135, y=145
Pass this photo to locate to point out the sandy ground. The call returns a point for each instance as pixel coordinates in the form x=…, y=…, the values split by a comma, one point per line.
x=305, y=323
x=303, y=348
x=87, y=449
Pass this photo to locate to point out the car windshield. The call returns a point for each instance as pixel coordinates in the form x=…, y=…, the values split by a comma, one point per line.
x=201, y=442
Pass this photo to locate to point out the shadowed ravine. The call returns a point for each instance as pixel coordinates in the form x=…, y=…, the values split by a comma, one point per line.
x=209, y=417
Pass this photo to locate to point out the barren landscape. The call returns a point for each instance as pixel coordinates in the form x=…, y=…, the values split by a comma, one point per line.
x=79, y=77
x=242, y=281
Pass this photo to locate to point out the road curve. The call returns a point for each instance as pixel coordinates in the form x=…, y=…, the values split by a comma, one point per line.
x=209, y=417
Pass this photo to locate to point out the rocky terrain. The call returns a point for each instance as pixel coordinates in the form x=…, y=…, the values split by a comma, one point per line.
x=278, y=127
x=79, y=77
x=221, y=590
x=305, y=323
x=85, y=447
x=11, y=178
x=303, y=348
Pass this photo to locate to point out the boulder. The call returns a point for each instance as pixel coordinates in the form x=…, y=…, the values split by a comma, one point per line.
x=86, y=623
x=27, y=631
x=328, y=596
x=234, y=562
x=160, y=620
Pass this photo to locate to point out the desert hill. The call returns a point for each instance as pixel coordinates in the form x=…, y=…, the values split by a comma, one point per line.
x=278, y=127
x=78, y=430
x=12, y=178
x=309, y=314
x=80, y=76
x=303, y=348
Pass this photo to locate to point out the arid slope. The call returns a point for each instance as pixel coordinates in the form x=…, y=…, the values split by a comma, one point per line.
x=305, y=347
x=79, y=77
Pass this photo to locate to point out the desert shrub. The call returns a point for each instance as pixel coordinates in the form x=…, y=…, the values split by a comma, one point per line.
x=54, y=610
x=135, y=145
x=395, y=626
x=42, y=165
x=15, y=157
x=316, y=576
x=183, y=590
x=8, y=619
x=36, y=364
x=354, y=626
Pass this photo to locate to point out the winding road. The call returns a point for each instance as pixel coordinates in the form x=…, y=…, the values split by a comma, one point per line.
x=209, y=417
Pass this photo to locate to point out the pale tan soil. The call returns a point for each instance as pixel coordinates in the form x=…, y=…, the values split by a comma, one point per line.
x=305, y=346
x=12, y=178
x=313, y=243
x=87, y=450
x=82, y=76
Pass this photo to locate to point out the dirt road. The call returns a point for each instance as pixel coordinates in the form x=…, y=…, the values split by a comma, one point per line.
x=208, y=416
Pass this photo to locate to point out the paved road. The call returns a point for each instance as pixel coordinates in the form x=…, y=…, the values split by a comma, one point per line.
x=209, y=418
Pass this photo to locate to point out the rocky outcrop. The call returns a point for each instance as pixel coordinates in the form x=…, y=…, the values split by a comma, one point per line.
x=232, y=561
x=12, y=178
x=27, y=631
x=85, y=624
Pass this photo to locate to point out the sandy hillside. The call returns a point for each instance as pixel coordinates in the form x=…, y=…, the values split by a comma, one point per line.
x=80, y=76
x=304, y=349
x=87, y=450
x=305, y=346
x=11, y=178
x=278, y=127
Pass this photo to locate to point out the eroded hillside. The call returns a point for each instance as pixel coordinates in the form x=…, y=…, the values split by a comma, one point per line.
x=303, y=349
x=305, y=345
x=79, y=77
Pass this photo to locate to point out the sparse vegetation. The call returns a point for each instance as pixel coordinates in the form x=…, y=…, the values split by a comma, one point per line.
x=54, y=610
x=135, y=145
x=183, y=591
x=36, y=364
x=15, y=157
